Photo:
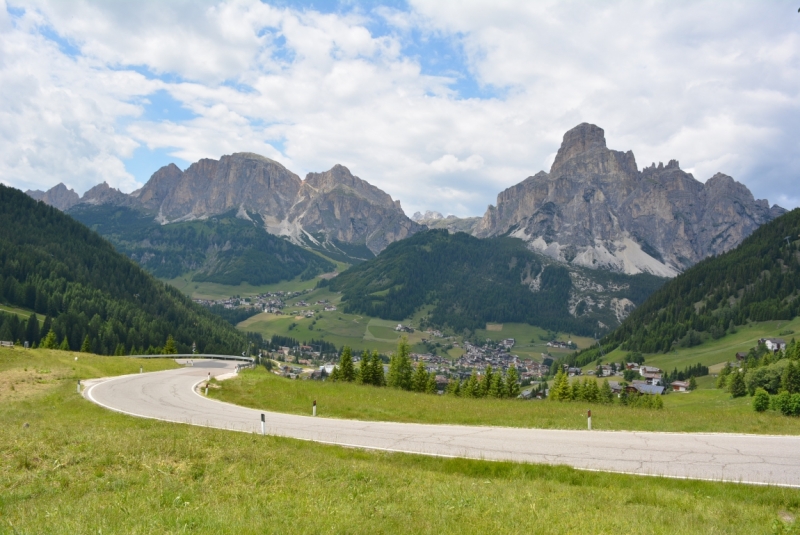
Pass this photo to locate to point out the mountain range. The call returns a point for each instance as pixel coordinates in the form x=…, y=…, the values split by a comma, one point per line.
x=333, y=211
x=594, y=212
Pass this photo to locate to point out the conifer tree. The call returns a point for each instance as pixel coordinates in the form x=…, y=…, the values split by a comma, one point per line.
x=32, y=329
x=365, y=373
x=49, y=340
x=64, y=344
x=512, y=382
x=576, y=393
x=336, y=374
x=169, y=347
x=692, y=383
x=486, y=382
x=736, y=386
x=494, y=390
x=400, y=369
x=561, y=390
x=347, y=371
x=790, y=379
x=431, y=387
x=86, y=346
x=591, y=391
x=378, y=377
x=470, y=389
x=606, y=395
x=419, y=381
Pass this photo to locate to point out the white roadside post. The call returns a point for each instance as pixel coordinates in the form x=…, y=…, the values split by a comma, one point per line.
x=590, y=420
x=208, y=381
x=263, y=425
x=314, y=408
x=140, y=368
x=79, y=386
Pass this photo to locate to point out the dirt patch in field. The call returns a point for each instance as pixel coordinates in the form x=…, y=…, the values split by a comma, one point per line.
x=21, y=384
x=494, y=326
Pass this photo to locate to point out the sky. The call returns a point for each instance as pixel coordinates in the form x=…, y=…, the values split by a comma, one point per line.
x=442, y=103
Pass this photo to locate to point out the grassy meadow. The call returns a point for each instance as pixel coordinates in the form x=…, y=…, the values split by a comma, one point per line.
x=713, y=352
x=68, y=466
x=704, y=410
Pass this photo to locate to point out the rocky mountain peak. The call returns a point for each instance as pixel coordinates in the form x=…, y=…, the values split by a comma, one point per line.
x=427, y=216
x=596, y=209
x=58, y=197
x=104, y=194
x=582, y=139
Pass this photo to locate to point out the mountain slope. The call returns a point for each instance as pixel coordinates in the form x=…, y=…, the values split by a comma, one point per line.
x=225, y=249
x=757, y=281
x=333, y=212
x=596, y=209
x=56, y=266
x=469, y=282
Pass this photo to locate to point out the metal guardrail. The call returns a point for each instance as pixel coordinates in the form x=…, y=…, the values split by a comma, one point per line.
x=196, y=356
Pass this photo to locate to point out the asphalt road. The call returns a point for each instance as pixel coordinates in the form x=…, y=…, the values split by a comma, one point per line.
x=171, y=396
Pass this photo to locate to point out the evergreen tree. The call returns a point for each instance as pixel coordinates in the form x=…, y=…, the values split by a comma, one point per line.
x=470, y=389
x=790, y=379
x=64, y=344
x=366, y=374
x=512, y=382
x=606, y=395
x=486, y=382
x=120, y=350
x=419, y=381
x=169, y=347
x=347, y=372
x=737, y=386
x=336, y=374
x=378, y=377
x=46, y=326
x=591, y=391
x=32, y=330
x=494, y=390
x=400, y=369
x=576, y=393
x=86, y=347
x=49, y=340
x=692, y=383
x=431, y=387
x=560, y=391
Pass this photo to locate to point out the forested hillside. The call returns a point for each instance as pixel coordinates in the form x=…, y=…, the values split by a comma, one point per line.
x=757, y=281
x=83, y=288
x=224, y=249
x=470, y=282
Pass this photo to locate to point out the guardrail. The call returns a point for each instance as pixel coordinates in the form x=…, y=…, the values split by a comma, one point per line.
x=196, y=356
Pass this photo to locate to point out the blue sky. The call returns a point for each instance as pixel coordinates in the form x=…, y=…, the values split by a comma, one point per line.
x=441, y=104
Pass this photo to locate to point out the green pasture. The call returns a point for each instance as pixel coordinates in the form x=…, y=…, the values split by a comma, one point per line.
x=704, y=410
x=531, y=341
x=22, y=313
x=714, y=352
x=68, y=466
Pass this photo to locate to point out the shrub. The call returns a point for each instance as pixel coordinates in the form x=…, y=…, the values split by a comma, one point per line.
x=760, y=400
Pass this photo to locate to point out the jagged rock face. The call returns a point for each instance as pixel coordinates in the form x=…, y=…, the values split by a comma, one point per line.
x=208, y=187
x=334, y=205
x=58, y=197
x=341, y=206
x=105, y=194
x=427, y=216
x=595, y=208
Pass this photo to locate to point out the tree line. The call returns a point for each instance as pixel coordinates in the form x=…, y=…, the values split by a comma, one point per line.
x=757, y=281
x=68, y=275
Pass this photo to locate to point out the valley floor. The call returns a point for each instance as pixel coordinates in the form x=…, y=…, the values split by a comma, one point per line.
x=68, y=466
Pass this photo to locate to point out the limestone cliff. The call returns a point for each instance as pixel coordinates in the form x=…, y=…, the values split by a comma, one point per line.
x=58, y=197
x=596, y=209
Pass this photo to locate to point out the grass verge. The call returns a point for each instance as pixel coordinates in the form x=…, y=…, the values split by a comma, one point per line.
x=78, y=468
x=704, y=410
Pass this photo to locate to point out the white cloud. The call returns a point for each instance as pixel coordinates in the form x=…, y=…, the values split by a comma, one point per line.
x=712, y=84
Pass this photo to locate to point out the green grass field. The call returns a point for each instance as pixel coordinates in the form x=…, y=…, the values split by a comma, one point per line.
x=212, y=290
x=714, y=352
x=22, y=313
x=78, y=468
x=704, y=410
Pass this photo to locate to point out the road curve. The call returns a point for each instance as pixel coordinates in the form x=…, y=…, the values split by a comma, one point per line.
x=171, y=396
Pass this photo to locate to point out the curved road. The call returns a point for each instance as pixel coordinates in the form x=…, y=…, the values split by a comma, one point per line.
x=171, y=396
